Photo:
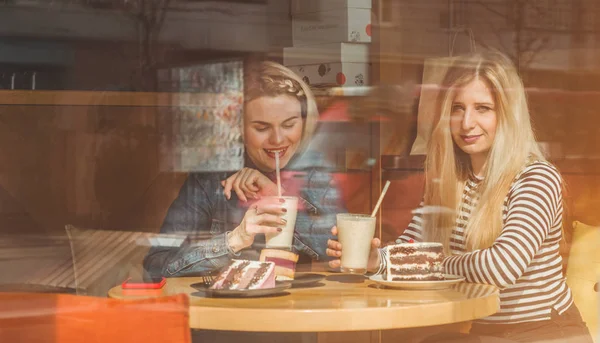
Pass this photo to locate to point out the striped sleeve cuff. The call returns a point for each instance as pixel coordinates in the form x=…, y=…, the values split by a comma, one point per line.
x=382, y=265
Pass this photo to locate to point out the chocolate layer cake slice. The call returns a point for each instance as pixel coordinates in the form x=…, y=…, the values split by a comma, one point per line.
x=244, y=274
x=414, y=262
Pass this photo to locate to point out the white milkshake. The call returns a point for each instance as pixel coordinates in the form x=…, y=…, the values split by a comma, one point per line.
x=355, y=232
x=283, y=239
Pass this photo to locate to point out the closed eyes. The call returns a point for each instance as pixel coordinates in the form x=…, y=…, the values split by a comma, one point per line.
x=289, y=124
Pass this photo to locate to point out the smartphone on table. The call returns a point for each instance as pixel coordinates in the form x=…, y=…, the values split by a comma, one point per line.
x=146, y=282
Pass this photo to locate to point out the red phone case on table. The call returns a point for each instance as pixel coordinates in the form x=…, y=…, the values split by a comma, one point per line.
x=143, y=285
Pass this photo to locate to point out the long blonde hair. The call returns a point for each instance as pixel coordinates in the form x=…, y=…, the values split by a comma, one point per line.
x=447, y=168
x=272, y=79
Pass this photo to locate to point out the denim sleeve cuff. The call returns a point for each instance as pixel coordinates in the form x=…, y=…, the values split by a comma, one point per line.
x=192, y=256
x=231, y=252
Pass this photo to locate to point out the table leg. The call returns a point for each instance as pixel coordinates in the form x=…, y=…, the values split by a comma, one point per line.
x=215, y=336
x=309, y=337
x=345, y=337
x=410, y=335
x=376, y=336
x=416, y=335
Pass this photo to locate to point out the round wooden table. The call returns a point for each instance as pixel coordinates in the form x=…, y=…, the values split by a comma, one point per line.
x=338, y=303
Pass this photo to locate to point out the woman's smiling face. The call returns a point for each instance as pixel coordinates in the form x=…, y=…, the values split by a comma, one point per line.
x=272, y=124
x=473, y=120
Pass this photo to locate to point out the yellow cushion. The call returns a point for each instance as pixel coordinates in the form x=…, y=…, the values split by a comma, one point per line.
x=583, y=270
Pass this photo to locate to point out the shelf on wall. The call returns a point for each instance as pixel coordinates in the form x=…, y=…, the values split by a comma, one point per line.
x=337, y=111
x=341, y=91
x=102, y=98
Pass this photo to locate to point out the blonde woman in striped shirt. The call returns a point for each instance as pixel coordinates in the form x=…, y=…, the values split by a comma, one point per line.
x=495, y=204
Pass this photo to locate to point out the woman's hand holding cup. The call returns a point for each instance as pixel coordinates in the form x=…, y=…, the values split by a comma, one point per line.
x=265, y=216
x=334, y=249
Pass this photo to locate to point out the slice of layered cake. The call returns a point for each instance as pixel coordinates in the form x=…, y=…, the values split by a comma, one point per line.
x=244, y=274
x=285, y=262
x=414, y=262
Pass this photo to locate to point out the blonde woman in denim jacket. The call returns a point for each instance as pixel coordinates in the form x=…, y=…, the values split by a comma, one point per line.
x=224, y=215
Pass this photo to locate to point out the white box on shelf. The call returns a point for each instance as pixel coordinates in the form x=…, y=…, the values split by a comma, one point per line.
x=326, y=53
x=311, y=6
x=343, y=25
x=334, y=74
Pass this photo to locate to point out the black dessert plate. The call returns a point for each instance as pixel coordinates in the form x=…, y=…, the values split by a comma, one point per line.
x=203, y=290
x=306, y=279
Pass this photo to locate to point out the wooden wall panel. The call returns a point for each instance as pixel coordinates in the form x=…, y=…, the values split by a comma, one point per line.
x=83, y=158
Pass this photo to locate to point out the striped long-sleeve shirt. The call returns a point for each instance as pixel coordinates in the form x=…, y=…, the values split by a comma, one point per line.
x=524, y=261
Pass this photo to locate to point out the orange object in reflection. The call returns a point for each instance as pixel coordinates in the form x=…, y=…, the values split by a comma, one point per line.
x=64, y=318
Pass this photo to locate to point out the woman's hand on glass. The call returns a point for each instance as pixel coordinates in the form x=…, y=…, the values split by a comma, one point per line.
x=265, y=216
x=249, y=183
x=334, y=249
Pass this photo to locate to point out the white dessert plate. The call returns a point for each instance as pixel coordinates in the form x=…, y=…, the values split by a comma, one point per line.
x=450, y=281
x=280, y=286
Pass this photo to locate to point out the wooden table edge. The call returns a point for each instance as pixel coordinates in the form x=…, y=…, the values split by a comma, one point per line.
x=336, y=320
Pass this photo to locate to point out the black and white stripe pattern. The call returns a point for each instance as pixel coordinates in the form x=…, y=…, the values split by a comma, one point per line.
x=524, y=261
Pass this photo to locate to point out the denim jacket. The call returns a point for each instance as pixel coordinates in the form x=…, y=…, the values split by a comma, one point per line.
x=203, y=215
